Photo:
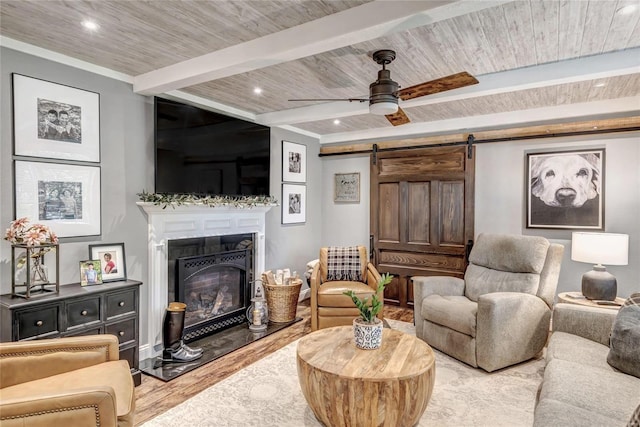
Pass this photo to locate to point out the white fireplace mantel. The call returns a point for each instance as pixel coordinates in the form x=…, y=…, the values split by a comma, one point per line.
x=183, y=222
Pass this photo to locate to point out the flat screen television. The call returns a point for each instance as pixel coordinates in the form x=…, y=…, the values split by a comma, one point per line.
x=206, y=153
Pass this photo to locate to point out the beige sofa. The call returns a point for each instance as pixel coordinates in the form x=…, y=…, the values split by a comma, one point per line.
x=579, y=387
x=76, y=381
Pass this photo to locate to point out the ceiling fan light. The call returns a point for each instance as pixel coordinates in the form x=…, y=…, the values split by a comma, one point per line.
x=383, y=108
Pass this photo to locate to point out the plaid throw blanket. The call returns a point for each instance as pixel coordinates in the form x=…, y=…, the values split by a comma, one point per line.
x=634, y=299
x=344, y=263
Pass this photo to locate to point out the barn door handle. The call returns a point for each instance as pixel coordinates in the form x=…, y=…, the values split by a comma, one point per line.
x=467, y=250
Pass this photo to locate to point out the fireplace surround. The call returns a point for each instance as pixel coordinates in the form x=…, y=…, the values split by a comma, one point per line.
x=184, y=222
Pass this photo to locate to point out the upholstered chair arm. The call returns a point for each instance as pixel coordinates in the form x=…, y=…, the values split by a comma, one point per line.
x=30, y=360
x=423, y=286
x=95, y=406
x=314, y=285
x=510, y=327
x=593, y=323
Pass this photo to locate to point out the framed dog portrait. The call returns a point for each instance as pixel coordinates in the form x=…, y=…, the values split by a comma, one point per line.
x=55, y=121
x=565, y=189
x=111, y=256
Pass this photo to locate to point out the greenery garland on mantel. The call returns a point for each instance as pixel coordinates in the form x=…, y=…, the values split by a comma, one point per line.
x=174, y=200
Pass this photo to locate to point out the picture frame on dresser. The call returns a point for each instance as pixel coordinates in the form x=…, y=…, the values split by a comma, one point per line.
x=55, y=121
x=113, y=260
x=65, y=197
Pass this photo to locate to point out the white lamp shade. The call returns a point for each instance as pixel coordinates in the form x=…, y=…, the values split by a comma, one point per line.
x=600, y=248
x=383, y=108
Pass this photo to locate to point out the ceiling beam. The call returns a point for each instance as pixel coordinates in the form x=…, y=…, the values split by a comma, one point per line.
x=606, y=108
x=594, y=67
x=629, y=124
x=365, y=22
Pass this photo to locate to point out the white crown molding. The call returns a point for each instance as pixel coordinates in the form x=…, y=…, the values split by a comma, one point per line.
x=63, y=59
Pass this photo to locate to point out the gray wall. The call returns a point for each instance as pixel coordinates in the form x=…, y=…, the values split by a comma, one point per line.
x=126, y=130
x=500, y=203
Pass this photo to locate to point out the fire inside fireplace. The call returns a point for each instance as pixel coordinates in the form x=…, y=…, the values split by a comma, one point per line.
x=216, y=288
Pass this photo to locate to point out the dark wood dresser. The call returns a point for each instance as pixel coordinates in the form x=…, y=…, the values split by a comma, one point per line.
x=110, y=308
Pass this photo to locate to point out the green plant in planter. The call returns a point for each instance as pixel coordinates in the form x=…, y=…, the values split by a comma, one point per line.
x=368, y=312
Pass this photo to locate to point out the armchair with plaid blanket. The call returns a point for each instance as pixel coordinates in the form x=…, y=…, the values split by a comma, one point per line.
x=340, y=269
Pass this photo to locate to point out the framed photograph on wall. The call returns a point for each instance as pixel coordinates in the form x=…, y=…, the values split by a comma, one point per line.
x=64, y=197
x=111, y=256
x=346, y=187
x=565, y=189
x=294, y=162
x=90, y=272
x=55, y=121
x=294, y=201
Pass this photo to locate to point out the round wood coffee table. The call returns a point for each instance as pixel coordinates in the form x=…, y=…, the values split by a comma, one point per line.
x=346, y=386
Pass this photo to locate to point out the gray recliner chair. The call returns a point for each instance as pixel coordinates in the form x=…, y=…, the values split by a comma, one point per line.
x=499, y=314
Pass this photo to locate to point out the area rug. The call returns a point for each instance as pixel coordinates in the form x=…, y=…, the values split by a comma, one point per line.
x=267, y=393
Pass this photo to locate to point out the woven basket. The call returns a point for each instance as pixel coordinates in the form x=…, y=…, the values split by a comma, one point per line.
x=282, y=301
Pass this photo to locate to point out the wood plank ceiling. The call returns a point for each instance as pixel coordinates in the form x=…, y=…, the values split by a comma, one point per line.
x=559, y=41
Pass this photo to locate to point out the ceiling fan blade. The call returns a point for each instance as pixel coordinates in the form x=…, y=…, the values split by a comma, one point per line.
x=398, y=118
x=333, y=99
x=442, y=84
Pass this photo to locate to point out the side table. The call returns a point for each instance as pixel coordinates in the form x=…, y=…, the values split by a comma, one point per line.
x=578, y=298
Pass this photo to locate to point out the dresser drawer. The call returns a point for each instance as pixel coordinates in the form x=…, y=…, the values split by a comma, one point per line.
x=121, y=303
x=38, y=322
x=125, y=331
x=96, y=330
x=82, y=312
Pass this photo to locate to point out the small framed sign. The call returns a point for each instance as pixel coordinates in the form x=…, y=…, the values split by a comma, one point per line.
x=347, y=187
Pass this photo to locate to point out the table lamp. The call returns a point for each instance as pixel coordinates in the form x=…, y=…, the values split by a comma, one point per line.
x=600, y=248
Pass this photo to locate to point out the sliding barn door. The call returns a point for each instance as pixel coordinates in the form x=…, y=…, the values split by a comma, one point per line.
x=421, y=215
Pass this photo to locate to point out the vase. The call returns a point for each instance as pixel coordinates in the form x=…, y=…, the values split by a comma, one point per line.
x=30, y=274
x=367, y=336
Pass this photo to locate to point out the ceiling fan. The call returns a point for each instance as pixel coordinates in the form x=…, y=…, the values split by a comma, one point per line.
x=384, y=92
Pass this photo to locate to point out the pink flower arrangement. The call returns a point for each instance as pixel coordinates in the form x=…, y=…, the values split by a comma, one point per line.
x=21, y=232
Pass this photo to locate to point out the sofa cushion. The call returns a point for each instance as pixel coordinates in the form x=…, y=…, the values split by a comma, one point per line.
x=624, y=353
x=518, y=254
x=331, y=294
x=481, y=280
x=573, y=348
x=612, y=394
x=550, y=412
x=115, y=374
x=454, y=312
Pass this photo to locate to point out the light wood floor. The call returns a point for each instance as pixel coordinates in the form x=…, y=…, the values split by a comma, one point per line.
x=154, y=397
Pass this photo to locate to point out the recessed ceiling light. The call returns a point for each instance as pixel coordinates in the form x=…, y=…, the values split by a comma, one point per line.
x=599, y=85
x=595, y=127
x=628, y=9
x=336, y=122
x=90, y=25
x=257, y=90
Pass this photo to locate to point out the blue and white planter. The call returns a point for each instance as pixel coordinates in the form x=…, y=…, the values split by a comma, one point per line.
x=367, y=336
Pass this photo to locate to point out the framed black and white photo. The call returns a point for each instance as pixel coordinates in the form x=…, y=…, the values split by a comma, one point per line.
x=111, y=256
x=346, y=187
x=565, y=189
x=64, y=197
x=294, y=201
x=55, y=121
x=294, y=162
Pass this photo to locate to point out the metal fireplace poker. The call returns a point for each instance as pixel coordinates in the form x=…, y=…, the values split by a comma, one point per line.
x=175, y=350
